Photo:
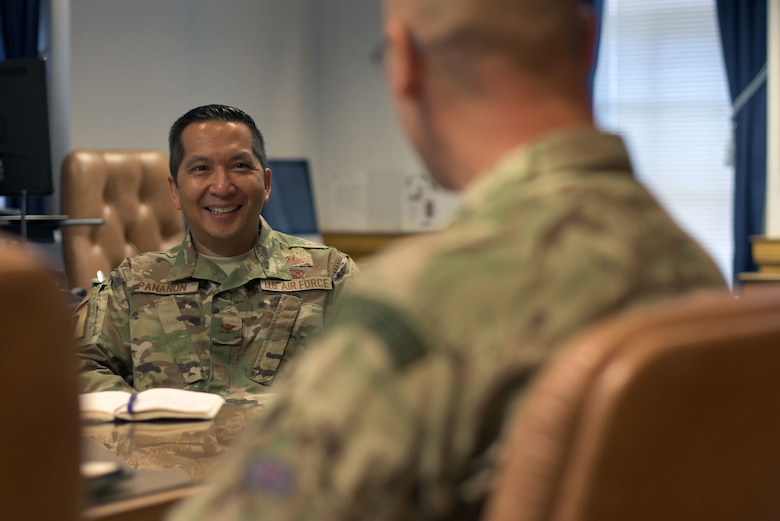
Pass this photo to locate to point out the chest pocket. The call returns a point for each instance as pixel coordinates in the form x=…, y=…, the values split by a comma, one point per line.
x=293, y=322
x=162, y=347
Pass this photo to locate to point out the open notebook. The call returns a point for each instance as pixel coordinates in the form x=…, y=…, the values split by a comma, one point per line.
x=151, y=404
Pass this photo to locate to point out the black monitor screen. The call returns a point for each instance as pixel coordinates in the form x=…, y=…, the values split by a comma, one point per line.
x=290, y=208
x=25, y=156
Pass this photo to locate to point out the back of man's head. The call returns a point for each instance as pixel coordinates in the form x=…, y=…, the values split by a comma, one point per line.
x=535, y=36
x=473, y=79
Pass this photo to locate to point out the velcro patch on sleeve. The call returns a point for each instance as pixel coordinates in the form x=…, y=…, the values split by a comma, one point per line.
x=403, y=341
x=298, y=257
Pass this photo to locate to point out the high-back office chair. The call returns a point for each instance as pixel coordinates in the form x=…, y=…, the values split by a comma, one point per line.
x=128, y=189
x=40, y=434
x=671, y=413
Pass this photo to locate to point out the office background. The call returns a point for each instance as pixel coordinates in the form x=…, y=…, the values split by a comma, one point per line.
x=121, y=72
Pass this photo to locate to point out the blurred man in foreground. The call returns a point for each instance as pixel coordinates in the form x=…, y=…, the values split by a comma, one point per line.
x=397, y=412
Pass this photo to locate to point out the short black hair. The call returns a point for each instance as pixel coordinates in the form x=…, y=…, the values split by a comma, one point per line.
x=211, y=113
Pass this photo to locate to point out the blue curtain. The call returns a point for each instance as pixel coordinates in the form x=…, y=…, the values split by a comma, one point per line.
x=743, y=31
x=19, y=21
x=598, y=11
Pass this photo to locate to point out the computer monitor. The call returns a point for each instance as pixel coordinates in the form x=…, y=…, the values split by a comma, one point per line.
x=291, y=208
x=25, y=153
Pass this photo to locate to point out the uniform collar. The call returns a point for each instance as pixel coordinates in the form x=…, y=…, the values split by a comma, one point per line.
x=271, y=263
x=579, y=150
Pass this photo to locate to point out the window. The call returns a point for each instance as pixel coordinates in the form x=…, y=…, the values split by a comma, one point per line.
x=661, y=84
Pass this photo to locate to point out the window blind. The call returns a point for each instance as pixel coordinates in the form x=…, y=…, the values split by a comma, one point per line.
x=661, y=83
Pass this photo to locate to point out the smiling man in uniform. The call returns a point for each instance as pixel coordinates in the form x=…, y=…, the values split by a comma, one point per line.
x=226, y=310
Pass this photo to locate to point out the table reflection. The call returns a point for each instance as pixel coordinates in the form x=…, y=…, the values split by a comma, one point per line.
x=193, y=446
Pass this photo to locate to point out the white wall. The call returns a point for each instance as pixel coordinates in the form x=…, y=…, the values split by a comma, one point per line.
x=59, y=90
x=135, y=66
x=359, y=133
x=123, y=71
x=358, y=126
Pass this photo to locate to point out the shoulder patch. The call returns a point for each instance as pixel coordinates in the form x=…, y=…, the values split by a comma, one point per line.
x=271, y=476
x=298, y=257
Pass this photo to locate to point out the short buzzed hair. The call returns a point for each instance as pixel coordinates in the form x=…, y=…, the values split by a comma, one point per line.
x=530, y=33
x=211, y=113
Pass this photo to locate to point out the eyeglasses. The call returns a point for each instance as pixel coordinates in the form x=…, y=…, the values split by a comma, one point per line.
x=377, y=54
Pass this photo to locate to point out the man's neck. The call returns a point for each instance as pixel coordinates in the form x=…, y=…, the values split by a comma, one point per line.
x=222, y=250
x=486, y=133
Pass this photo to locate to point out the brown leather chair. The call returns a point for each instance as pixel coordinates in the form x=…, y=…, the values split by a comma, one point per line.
x=670, y=413
x=128, y=189
x=40, y=434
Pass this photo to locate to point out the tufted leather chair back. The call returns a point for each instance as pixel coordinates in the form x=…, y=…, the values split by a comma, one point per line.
x=128, y=189
x=669, y=412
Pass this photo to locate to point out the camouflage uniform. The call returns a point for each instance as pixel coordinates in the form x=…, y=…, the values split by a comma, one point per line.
x=175, y=319
x=396, y=413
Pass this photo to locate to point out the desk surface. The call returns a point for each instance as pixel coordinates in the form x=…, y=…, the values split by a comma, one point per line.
x=360, y=246
x=47, y=220
x=41, y=227
x=753, y=280
x=165, y=461
x=759, y=277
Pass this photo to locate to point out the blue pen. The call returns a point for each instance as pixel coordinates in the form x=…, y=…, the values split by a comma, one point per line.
x=130, y=402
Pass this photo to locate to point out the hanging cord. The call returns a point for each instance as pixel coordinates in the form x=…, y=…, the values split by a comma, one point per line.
x=749, y=91
x=744, y=97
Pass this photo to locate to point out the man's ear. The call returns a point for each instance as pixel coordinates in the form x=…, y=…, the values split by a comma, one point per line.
x=174, y=190
x=267, y=179
x=403, y=61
